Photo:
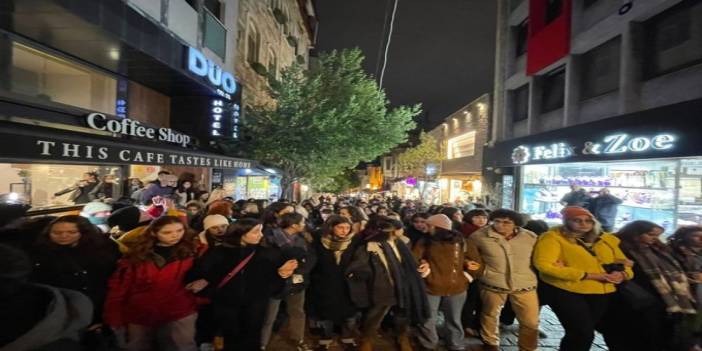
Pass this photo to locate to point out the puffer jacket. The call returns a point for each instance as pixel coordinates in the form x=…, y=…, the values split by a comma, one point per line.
x=506, y=264
x=447, y=259
x=147, y=295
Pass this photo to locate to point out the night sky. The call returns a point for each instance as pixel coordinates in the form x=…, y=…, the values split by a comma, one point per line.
x=441, y=54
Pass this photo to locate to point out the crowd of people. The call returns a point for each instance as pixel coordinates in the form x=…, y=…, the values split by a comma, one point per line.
x=165, y=270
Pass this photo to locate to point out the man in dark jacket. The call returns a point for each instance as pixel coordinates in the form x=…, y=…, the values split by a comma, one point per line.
x=604, y=207
x=576, y=197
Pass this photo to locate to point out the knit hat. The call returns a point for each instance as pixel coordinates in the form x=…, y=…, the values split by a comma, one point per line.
x=440, y=221
x=213, y=221
x=94, y=207
x=127, y=218
x=574, y=211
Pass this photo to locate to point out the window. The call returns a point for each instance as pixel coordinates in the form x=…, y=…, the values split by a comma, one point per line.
x=215, y=35
x=600, y=69
x=554, y=8
x=461, y=146
x=35, y=73
x=40, y=183
x=553, y=90
x=521, y=35
x=673, y=39
x=192, y=3
x=252, y=46
x=520, y=103
x=215, y=7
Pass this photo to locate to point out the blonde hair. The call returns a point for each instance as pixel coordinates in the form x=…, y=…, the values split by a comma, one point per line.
x=217, y=194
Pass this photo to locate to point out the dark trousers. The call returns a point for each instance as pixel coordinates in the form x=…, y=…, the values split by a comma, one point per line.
x=580, y=315
x=471, y=309
x=648, y=329
x=241, y=324
x=206, y=325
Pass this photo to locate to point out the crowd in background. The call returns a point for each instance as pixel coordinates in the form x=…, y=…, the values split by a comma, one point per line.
x=170, y=268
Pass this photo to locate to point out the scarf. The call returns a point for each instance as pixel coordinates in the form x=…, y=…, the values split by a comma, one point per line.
x=410, y=290
x=588, y=238
x=666, y=276
x=337, y=245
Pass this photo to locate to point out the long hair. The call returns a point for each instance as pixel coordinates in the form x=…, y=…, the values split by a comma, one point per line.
x=683, y=236
x=357, y=216
x=146, y=241
x=90, y=236
x=630, y=233
x=270, y=214
x=237, y=229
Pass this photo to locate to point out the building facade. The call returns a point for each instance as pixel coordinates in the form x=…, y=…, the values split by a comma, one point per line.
x=599, y=94
x=272, y=35
x=121, y=88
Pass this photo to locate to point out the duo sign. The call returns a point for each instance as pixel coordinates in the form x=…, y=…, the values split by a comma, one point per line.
x=200, y=65
x=611, y=145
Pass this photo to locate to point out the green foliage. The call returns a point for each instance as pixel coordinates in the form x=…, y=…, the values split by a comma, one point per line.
x=279, y=16
x=415, y=160
x=259, y=68
x=326, y=119
x=345, y=180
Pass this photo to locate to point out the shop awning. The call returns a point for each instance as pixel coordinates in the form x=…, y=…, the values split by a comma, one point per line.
x=22, y=143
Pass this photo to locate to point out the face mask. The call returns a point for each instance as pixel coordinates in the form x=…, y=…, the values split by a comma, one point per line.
x=98, y=220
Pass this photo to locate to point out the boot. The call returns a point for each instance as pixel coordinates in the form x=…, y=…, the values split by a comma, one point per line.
x=366, y=344
x=404, y=343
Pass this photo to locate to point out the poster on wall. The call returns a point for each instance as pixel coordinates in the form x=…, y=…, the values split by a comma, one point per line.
x=274, y=188
x=258, y=187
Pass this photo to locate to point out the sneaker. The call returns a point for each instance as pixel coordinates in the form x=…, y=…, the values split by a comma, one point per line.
x=302, y=346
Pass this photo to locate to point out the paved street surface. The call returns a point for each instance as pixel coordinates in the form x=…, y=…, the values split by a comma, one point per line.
x=549, y=324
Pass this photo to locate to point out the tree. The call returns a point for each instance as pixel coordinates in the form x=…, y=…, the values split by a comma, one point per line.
x=414, y=161
x=341, y=182
x=325, y=119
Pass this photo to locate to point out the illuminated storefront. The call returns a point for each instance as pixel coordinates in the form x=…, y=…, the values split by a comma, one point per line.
x=650, y=160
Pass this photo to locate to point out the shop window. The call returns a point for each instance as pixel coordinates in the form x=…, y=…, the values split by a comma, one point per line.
x=553, y=90
x=46, y=77
x=646, y=188
x=690, y=197
x=673, y=39
x=600, y=69
x=520, y=103
x=461, y=146
x=520, y=36
x=49, y=186
x=554, y=8
x=215, y=7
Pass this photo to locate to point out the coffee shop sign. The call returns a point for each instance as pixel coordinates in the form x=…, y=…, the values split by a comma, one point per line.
x=130, y=127
x=615, y=144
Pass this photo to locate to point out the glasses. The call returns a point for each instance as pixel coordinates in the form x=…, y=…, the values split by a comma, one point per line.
x=582, y=221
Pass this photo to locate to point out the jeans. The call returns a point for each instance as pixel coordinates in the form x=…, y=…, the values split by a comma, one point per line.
x=177, y=335
x=452, y=307
x=579, y=314
x=295, y=304
x=526, y=307
x=348, y=330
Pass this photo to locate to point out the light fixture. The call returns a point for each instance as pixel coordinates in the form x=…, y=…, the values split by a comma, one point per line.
x=270, y=170
x=113, y=54
x=248, y=171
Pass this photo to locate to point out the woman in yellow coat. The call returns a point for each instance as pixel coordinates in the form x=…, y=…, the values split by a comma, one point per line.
x=580, y=267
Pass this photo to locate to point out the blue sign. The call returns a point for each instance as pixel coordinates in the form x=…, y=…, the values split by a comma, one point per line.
x=200, y=65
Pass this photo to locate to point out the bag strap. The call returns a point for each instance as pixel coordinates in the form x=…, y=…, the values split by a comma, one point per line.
x=236, y=270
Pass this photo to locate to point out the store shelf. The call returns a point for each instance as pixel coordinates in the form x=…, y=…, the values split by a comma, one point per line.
x=601, y=186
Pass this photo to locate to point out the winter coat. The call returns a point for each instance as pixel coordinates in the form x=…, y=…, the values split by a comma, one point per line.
x=155, y=189
x=506, y=264
x=67, y=313
x=604, y=207
x=77, y=269
x=468, y=228
x=80, y=194
x=258, y=280
x=295, y=247
x=145, y=294
x=329, y=295
x=447, y=259
x=563, y=263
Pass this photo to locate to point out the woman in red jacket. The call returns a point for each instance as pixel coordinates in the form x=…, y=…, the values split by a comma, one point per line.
x=147, y=298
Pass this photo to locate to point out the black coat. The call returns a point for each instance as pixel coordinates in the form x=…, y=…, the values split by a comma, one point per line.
x=77, y=268
x=258, y=280
x=329, y=295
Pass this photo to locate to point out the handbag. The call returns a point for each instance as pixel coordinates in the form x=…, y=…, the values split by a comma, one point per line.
x=636, y=297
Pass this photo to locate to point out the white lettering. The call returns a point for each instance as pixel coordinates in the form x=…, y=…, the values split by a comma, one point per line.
x=102, y=153
x=69, y=149
x=91, y=120
x=663, y=141
x=89, y=151
x=639, y=144
x=124, y=155
x=45, y=145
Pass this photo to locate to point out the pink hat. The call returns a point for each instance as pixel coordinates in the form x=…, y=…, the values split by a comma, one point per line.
x=440, y=221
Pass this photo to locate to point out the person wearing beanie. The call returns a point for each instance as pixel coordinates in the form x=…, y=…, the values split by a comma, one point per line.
x=504, y=251
x=36, y=316
x=215, y=228
x=443, y=256
x=572, y=261
x=97, y=213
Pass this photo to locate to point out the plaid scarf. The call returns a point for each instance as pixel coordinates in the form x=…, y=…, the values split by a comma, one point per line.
x=666, y=276
x=337, y=245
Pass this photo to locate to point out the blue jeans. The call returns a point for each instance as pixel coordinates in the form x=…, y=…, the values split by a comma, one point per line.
x=452, y=307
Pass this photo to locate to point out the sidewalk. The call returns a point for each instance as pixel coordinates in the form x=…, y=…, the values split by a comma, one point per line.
x=549, y=324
